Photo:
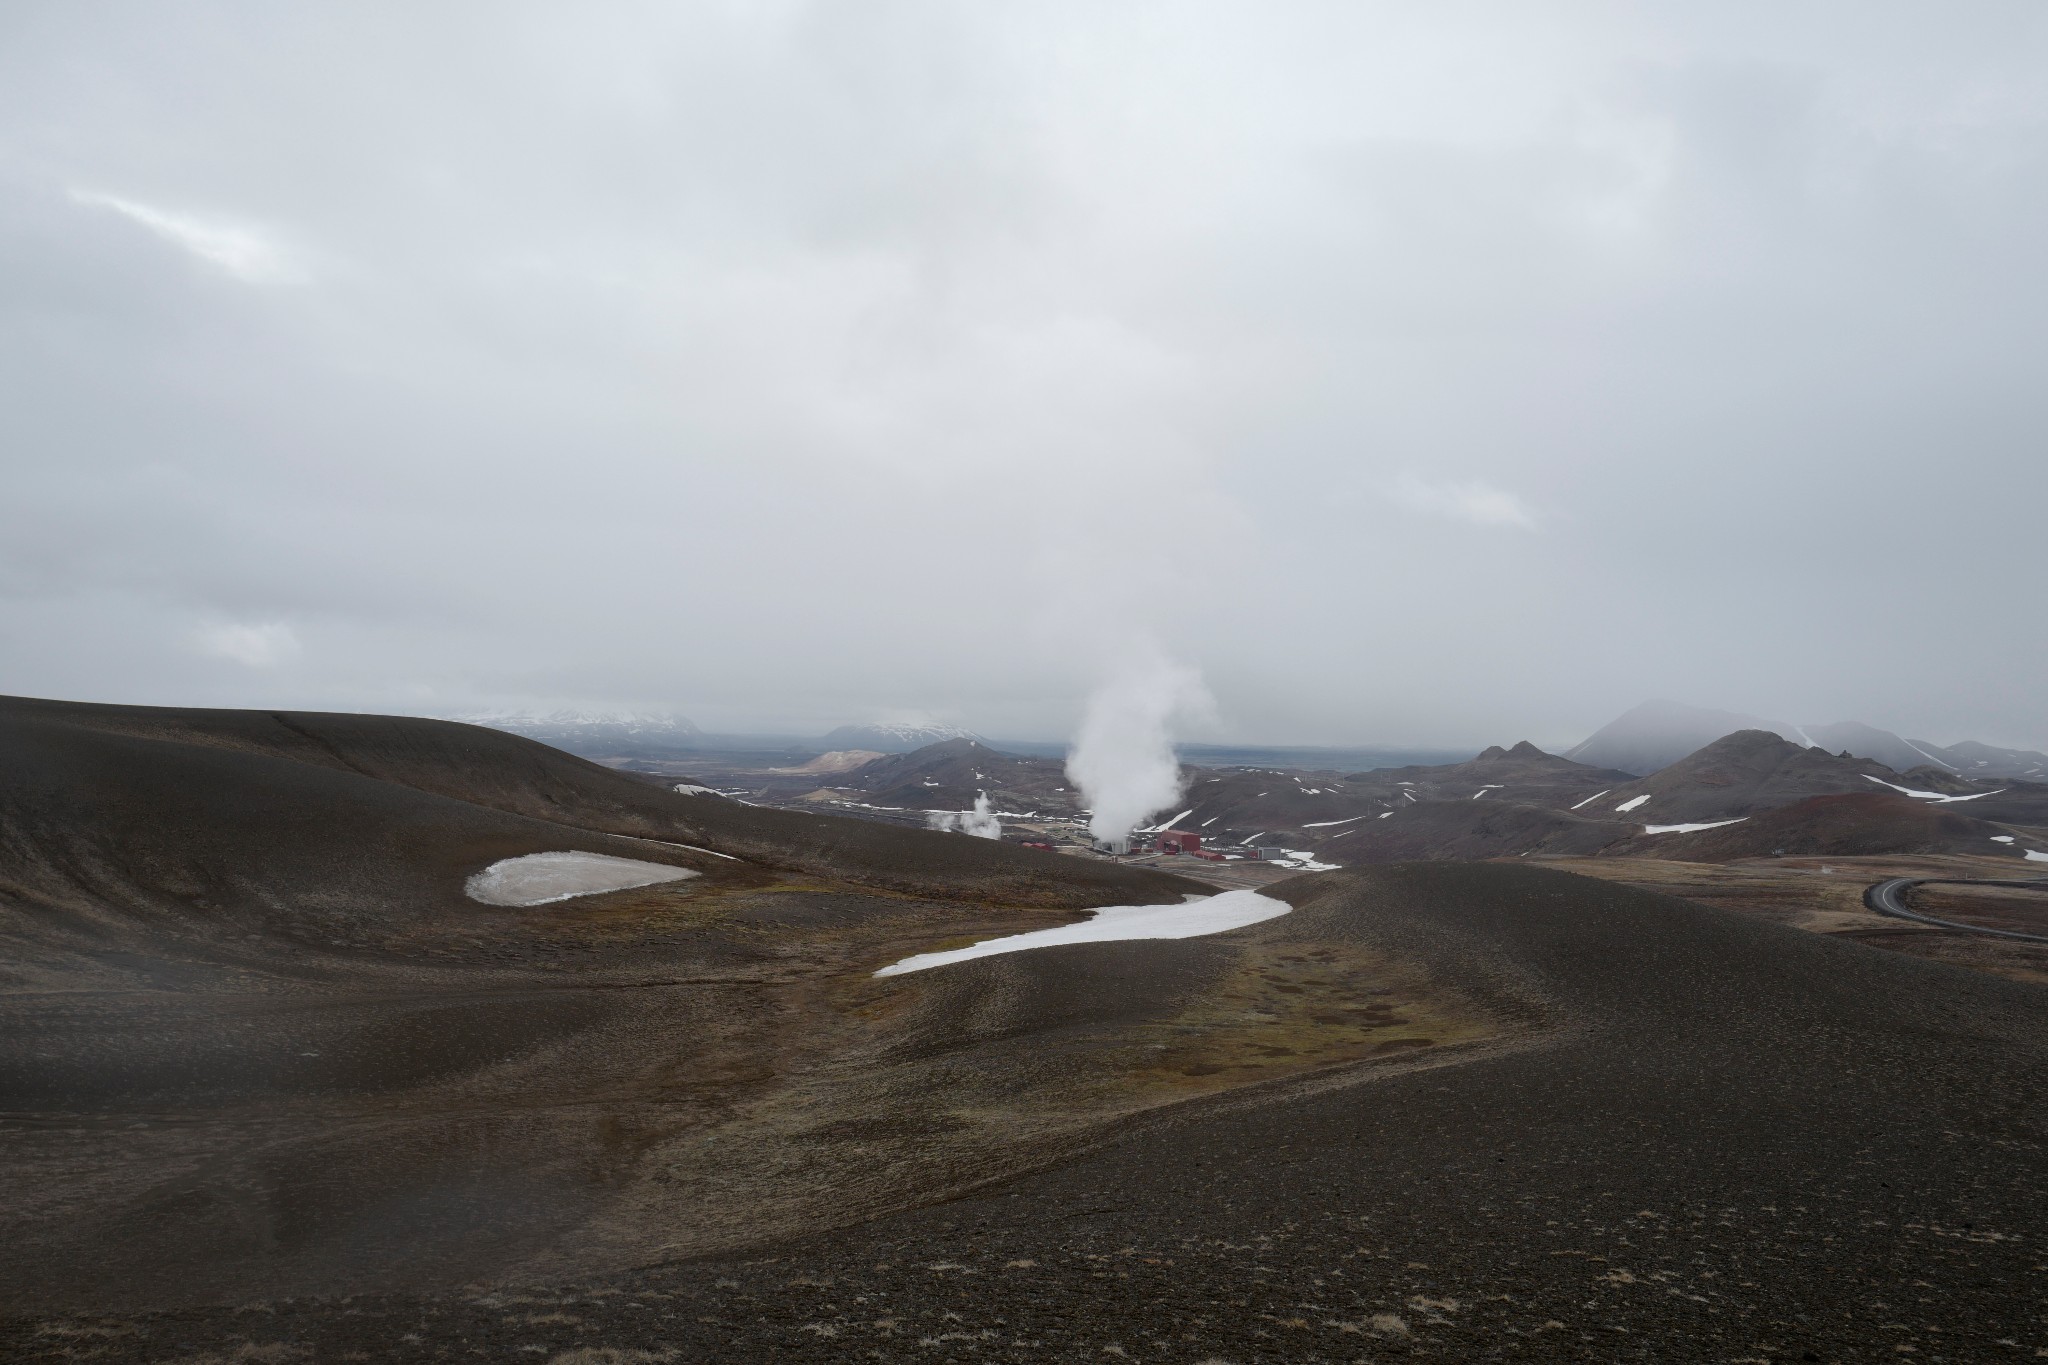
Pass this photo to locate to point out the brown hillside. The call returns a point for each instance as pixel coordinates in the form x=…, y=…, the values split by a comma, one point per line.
x=1850, y=825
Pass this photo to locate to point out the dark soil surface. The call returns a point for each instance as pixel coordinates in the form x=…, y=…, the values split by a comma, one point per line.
x=1505, y=1113
x=2022, y=910
x=1825, y=895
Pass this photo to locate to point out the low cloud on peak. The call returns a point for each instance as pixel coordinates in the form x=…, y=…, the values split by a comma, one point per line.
x=1416, y=375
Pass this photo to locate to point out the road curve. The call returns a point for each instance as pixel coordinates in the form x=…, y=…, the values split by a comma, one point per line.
x=1889, y=898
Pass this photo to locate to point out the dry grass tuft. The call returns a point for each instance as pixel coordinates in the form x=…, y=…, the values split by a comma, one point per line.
x=248, y=1353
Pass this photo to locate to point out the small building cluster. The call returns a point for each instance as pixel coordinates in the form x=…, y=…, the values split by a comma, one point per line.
x=1178, y=842
x=1172, y=843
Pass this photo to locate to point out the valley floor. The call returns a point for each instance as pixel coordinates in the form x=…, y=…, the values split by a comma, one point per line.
x=1552, y=1118
x=1825, y=895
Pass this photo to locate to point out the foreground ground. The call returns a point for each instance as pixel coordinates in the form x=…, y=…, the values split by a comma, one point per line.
x=1826, y=896
x=1635, y=1128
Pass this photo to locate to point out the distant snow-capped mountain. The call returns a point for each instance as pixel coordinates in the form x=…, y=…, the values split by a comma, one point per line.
x=1659, y=733
x=635, y=720
x=894, y=738
x=580, y=730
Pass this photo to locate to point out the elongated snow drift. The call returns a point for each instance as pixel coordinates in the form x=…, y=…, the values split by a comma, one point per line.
x=1190, y=919
x=539, y=878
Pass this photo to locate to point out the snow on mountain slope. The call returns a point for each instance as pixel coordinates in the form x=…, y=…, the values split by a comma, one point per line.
x=530, y=722
x=1659, y=733
x=894, y=738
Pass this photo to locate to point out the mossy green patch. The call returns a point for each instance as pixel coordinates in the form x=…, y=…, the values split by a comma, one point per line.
x=1282, y=1012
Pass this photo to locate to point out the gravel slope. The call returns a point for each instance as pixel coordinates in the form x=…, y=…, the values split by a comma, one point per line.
x=1711, y=1140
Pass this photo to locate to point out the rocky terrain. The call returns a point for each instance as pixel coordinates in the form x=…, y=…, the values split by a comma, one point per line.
x=1507, y=802
x=952, y=774
x=1514, y=1114
x=274, y=1084
x=893, y=738
x=1522, y=802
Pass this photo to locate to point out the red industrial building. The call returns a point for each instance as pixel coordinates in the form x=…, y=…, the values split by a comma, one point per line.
x=1178, y=841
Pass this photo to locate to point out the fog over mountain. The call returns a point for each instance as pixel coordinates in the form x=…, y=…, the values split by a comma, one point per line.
x=1416, y=374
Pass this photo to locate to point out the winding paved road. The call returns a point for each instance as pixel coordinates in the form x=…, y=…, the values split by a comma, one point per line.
x=1889, y=898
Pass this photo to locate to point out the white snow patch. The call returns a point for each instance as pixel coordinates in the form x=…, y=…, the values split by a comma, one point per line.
x=2001, y=838
x=1920, y=795
x=2034, y=857
x=1489, y=787
x=1692, y=828
x=1304, y=860
x=1161, y=829
x=670, y=843
x=1931, y=758
x=1594, y=797
x=1929, y=796
x=539, y=878
x=692, y=789
x=1194, y=918
x=1632, y=803
x=1325, y=824
x=1385, y=814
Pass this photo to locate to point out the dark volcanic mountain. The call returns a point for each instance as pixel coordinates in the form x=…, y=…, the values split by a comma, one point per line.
x=1985, y=760
x=1738, y=774
x=1467, y=831
x=1507, y=802
x=1659, y=733
x=1524, y=773
x=1310, y=810
x=119, y=820
x=1510, y=803
x=951, y=774
x=1851, y=824
x=1867, y=741
x=892, y=739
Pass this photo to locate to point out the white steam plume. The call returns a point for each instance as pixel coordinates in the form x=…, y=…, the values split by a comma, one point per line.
x=978, y=822
x=1123, y=759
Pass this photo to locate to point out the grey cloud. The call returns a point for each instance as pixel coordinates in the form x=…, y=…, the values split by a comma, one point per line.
x=791, y=365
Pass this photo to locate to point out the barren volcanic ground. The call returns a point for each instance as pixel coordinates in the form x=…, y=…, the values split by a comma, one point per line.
x=1825, y=896
x=276, y=1090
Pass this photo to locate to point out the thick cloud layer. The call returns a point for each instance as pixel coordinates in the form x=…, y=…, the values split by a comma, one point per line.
x=1429, y=373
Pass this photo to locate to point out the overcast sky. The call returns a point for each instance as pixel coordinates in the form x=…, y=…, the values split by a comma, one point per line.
x=1425, y=373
